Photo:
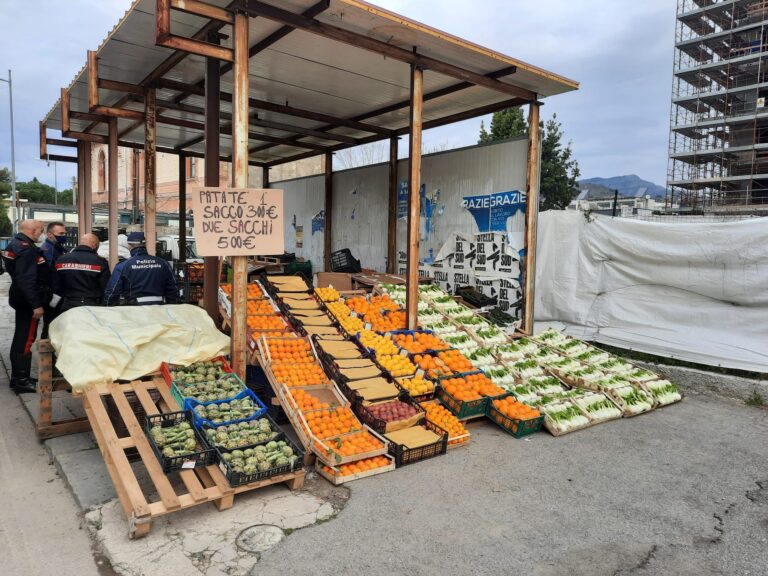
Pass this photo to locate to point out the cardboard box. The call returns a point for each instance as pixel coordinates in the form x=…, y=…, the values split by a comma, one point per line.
x=341, y=281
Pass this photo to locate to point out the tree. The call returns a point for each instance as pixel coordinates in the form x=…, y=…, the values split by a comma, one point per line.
x=35, y=192
x=508, y=123
x=5, y=182
x=559, y=169
x=65, y=197
x=5, y=223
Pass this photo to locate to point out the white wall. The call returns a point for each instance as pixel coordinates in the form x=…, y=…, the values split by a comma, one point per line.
x=361, y=201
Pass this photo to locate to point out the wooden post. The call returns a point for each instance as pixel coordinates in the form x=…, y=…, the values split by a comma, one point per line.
x=135, y=209
x=414, y=198
x=87, y=190
x=150, y=170
x=112, y=195
x=81, y=151
x=212, y=175
x=182, y=207
x=531, y=216
x=240, y=95
x=265, y=177
x=328, y=234
x=392, y=214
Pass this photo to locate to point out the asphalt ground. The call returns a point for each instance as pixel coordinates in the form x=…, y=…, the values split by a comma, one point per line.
x=673, y=492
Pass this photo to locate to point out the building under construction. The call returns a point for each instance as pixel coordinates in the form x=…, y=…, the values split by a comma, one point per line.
x=718, y=153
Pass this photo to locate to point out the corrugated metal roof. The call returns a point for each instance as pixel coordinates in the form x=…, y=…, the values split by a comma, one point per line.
x=303, y=70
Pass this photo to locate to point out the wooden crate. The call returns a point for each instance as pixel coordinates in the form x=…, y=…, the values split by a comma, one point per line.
x=46, y=427
x=200, y=485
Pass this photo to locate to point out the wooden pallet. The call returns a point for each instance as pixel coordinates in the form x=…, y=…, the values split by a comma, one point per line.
x=46, y=427
x=200, y=485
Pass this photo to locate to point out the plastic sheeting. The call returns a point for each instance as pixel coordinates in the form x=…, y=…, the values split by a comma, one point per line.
x=694, y=291
x=96, y=345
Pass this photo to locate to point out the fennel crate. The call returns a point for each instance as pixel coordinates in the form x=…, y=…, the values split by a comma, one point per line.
x=190, y=487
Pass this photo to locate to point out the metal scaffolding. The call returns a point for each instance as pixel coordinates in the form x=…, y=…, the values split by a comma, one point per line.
x=718, y=146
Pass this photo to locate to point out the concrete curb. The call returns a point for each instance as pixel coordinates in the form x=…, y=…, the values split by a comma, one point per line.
x=703, y=382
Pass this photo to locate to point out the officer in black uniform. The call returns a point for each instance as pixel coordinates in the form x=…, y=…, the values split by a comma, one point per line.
x=81, y=276
x=142, y=279
x=52, y=249
x=30, y=291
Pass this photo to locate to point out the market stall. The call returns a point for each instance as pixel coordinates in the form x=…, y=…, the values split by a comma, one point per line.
x=368, y=382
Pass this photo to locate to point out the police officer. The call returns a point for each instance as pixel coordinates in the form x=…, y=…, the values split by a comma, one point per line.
x=81, y=276
x=141, y=279
x=30, y=291
x=53, y=249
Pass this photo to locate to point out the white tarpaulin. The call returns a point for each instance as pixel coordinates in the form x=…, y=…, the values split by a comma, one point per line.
x=97, y=345
x=695, y=291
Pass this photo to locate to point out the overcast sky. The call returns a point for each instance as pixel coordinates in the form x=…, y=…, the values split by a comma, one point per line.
x=621, y=52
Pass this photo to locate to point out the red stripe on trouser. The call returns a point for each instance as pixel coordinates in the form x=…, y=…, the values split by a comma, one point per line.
x=31, y=336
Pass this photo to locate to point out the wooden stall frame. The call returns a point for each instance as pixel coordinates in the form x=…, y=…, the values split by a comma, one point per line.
x=46, y=427
x=202, y=484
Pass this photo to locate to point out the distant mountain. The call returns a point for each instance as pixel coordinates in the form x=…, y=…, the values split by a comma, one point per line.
x=630, y=186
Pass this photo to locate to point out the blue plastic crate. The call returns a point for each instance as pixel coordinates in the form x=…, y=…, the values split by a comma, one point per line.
x=191, y=404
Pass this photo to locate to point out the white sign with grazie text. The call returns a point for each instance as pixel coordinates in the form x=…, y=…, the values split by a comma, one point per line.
x=238, y=221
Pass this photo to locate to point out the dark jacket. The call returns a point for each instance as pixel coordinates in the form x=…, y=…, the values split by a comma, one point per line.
x=52, y=251
x=141, y=279
x=30, y=274
x=80, y=278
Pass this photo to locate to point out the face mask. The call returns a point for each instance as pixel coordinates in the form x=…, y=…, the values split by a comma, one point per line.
x=61, y=239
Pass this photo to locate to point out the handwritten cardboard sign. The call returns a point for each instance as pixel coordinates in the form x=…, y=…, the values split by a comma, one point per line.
x=238, y=221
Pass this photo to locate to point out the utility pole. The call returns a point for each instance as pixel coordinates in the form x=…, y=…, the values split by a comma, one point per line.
x=75, y=191
x=615, y=201
x=55, y=184
x=14, y=208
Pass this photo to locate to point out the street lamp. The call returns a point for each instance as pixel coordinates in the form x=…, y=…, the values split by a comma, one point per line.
x=14, y=217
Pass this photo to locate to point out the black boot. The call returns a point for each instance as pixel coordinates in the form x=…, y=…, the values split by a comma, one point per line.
x=21, y=383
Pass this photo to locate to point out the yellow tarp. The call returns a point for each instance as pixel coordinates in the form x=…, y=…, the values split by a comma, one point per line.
x=96, y=345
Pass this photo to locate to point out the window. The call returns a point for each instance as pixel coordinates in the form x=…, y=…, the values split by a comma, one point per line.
x=102, y=167
x=193, y=168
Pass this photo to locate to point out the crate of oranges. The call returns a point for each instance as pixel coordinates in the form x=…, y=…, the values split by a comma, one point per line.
x=514, y=417
x=351, y=447
x=295, y=350
x=273, y=323
x=458, y=435
x=355, y=470
x=419, y=341
x=310, y=398
x=433, y=366
x=467, y=395
x=332, y=422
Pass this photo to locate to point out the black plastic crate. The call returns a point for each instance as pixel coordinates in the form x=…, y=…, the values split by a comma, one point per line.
x=376, y=424
x=343, y=261
x=272, y=423
x=190, y=293
x=404, y=456
x=239, y=478
x=190, y=272
x=203, y=456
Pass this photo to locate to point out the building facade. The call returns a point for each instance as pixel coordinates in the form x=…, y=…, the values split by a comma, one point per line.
x=130, y=177
x=718, y=150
